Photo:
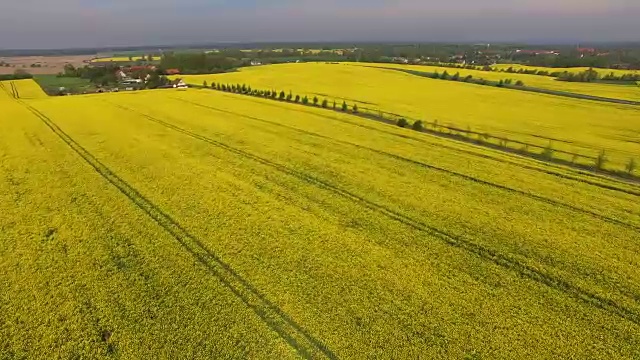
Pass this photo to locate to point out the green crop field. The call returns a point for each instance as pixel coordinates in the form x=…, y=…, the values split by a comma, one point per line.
x=199, y=224
x=52, y=84
x=578, y=126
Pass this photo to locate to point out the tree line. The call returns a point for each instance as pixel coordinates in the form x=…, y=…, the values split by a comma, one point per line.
x=282, y=96
x=591, y=75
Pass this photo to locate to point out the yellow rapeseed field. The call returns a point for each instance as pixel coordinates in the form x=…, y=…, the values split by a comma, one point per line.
x=192, y=224
x=624, y=92
x=579, y=126
x=617, y=72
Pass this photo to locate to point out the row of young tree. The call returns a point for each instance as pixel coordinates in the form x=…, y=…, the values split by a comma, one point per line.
x=282, y=96
x=305, y=100
x=548, y=153
x=469, y=78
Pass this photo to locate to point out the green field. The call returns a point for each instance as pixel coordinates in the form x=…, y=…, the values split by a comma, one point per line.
x=51, y=84
x=197, y=224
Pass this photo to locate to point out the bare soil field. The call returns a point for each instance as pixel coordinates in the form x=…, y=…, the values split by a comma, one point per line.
x=41, y=64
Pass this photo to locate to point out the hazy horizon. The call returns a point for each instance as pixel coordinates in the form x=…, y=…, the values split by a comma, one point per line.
x=89, y=23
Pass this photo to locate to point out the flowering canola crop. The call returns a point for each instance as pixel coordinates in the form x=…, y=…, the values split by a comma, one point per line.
x=167, y=224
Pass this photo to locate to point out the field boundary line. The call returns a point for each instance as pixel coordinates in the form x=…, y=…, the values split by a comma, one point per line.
x=424, y=165
x=275, y=318
x=459, y=242
x=468, y=152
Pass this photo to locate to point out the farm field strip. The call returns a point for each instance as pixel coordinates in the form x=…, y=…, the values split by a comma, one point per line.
x=303, y=132
x=575, y=124
x=613, y=91
x=604, y=181
x=601, y=71
x=561, y=92
x=403, y=158
x=413, y=162
x=299, y=175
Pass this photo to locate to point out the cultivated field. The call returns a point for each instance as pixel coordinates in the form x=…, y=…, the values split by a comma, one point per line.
x=603, y=72
x=613, y=91
x=119, y=59
x=578, y=126
x=199, y=224
x=47, y=64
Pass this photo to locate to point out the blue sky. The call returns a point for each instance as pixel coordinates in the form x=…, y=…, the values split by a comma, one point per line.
x=89, y=23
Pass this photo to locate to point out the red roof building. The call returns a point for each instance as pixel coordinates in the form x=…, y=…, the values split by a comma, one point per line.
x=586, y=50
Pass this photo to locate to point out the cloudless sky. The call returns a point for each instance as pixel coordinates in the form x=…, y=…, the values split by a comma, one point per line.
x=98, y=23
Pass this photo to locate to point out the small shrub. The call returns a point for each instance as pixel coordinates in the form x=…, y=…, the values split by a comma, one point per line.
x=601, y=160
x=297, y=98
x=344, y=106
x=632, y=166
x=403, y=123
x=519, y=83
x=418, y=125
x=282, y=95
x=325, y=103
x=305, y=100
x=290, y=96
x=205, y=84
x=547, y=153
x=355, y=108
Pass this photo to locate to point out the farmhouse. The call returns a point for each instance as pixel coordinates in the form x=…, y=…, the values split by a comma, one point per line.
x=179, y=84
